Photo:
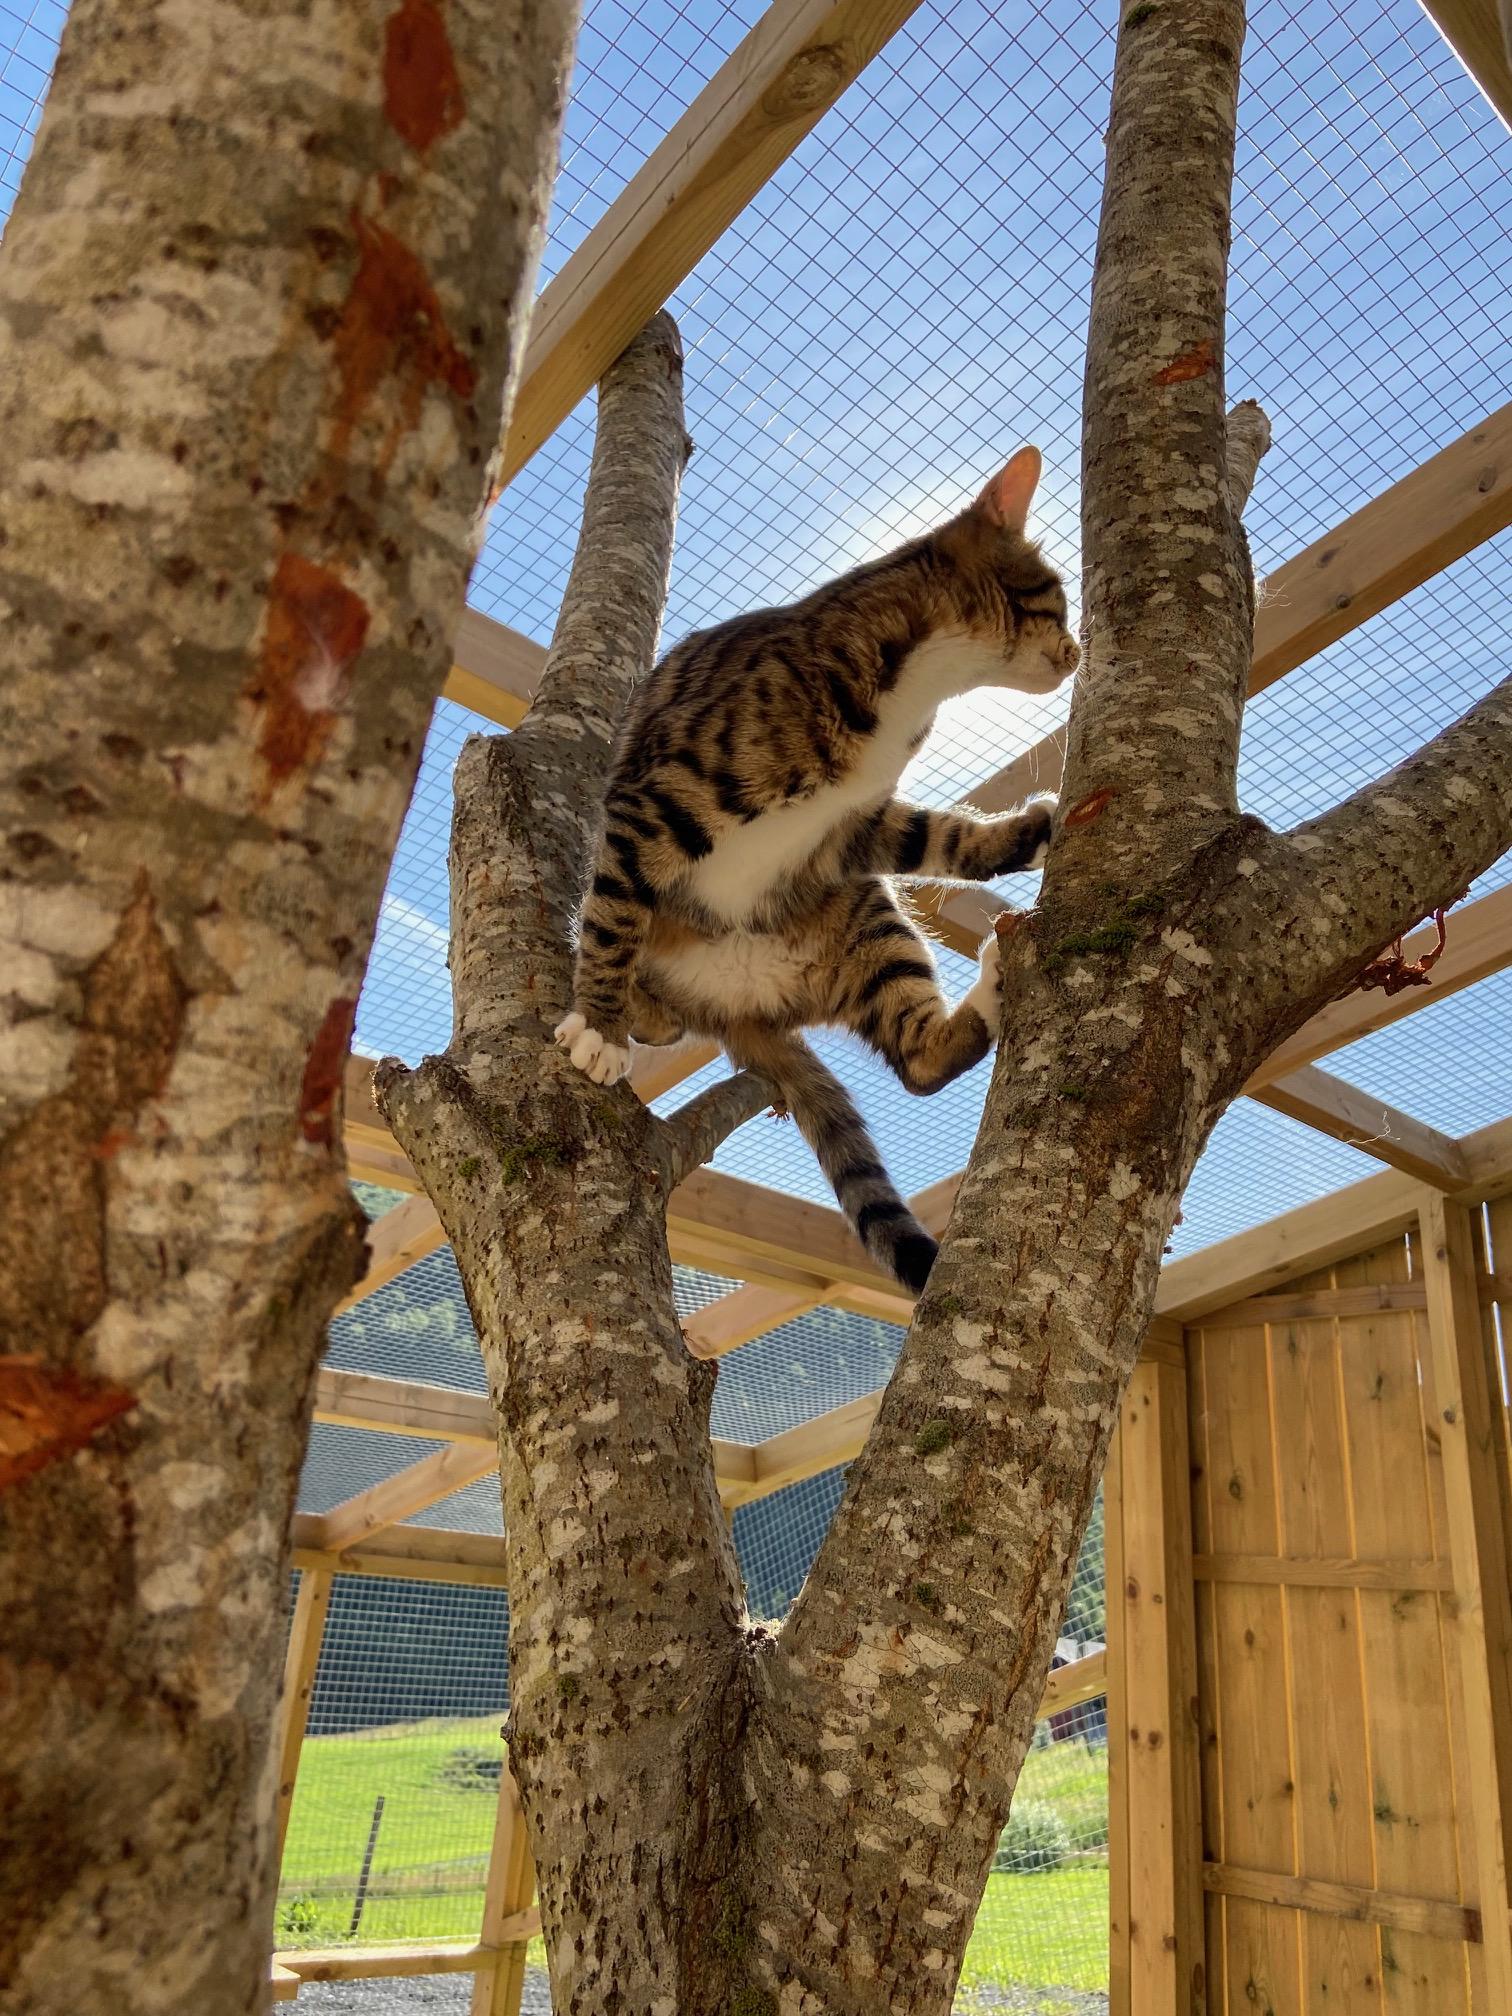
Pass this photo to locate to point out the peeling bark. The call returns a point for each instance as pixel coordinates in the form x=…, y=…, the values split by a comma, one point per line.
x=728, y=1821
x=262, y=301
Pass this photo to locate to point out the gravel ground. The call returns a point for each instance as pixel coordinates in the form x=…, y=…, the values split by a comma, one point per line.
x=448, y=1995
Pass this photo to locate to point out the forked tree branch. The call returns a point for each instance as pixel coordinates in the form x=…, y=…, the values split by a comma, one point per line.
x=689, y=1137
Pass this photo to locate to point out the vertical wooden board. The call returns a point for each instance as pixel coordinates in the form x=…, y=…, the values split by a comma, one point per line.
x=510, y=1885
x=1478, y=1622
x=1382, y=1400
x=1240, y=1515
x=1341, y=1967
x=1210, y=1715
x=1118, y=1732
x=1423, y=1976
x=301, y=1660
x=1311, y=1472
x=1199, y=1417
x=1412, y=1765
x=1335, y=1834
x=1263, y=1960
x=1216, y=1940
x=1255, y=1765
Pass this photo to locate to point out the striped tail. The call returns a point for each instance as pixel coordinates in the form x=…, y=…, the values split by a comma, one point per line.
x=828, y=1120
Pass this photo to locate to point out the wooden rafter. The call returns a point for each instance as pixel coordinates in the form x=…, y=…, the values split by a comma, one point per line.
x=1331, y=1106
x=411, y=1490
x=732, y=139
x=1480, y=34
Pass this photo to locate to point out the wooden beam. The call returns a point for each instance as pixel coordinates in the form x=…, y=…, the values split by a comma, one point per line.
x=497, y=1988
x=1155, y=1838
x=1070, y=1685
x=1480, y=34
x=747, y=120
x=1343, y=1900
x=284, y=1983
x=1343, y=1111
x=373, y=1963
x=1295, y=1571
x=401, y=1496
x=1458, y=499
x=408, y=1553
x=306, y=1632
x=404, y=1407
x=1299, y=1242
x=495, y=670
x=1472, y=1432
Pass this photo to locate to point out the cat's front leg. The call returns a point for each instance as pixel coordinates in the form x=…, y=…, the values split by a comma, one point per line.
x=955, y=846
x=616, y=917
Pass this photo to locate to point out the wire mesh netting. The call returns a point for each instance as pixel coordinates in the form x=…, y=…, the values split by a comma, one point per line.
x=398, y=1779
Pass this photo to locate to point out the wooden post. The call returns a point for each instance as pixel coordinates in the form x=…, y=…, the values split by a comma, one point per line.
x=497, y=1988
x=1468, y=1395
x=305, y=1637
x=1155, y=1834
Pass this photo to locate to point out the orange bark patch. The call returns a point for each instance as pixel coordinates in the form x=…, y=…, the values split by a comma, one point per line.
x=422, y=92
x=47, y=1411
x=320, y=1088
x=1091, y=807
x=392, y=327
x=1193, y=363
x=315, y=628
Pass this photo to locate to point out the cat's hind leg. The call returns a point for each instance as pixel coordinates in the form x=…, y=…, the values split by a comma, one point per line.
x=887, y=990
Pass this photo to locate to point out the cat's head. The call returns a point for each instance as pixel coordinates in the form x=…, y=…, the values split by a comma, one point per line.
x=1012, y=598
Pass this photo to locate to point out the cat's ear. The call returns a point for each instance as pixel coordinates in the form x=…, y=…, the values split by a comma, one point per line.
x=1007, y=498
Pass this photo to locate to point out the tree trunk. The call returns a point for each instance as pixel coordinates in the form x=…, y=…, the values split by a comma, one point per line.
x=264, y=294
x=727, y=1820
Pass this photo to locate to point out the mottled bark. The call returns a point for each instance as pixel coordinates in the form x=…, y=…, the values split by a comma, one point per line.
x=727, y=1821
x=262, y=300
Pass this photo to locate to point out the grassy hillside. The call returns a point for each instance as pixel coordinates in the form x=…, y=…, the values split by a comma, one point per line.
x=438, y=1782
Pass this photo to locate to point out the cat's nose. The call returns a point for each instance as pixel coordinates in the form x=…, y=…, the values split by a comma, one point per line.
x=1069, y=654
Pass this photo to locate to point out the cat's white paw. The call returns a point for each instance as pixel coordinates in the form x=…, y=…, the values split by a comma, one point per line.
x=569, y=1029
x=605, y=1063
x=986, y=989
x=1046, y=806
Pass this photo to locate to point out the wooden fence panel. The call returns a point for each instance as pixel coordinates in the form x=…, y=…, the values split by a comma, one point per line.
x=1338, y=1794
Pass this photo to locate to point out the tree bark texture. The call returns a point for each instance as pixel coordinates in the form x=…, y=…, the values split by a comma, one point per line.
x=262, y=301
x=730, y=1820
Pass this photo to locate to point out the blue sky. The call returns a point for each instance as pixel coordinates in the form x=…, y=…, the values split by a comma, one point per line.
x=906, y=302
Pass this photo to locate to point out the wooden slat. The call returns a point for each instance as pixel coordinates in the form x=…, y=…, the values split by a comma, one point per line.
x=737, y=132
x=284, y=1983
x=1153, y=1755
x=372, y=1963
x=1070, y=1685
x=495, y=670
x=1441, y=511
x=1345, y=1222
x=1345, y=1113
x=1120, y=1818
x=1295, y=1571
x=306, y=1631
x=736, y=1318
x=1343, y=1900
x=506, y=1901
x=409, y=1491
x=403, y=1407
x=408, y=1553
x=1480, y=34
x=1470, y=1426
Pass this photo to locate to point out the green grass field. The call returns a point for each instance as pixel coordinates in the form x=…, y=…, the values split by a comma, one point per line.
x=428, y=1867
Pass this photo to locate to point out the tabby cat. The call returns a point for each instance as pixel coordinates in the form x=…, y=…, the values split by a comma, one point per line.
x=741, y=883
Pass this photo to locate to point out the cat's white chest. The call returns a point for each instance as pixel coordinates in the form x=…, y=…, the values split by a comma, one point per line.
x=747, y=862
